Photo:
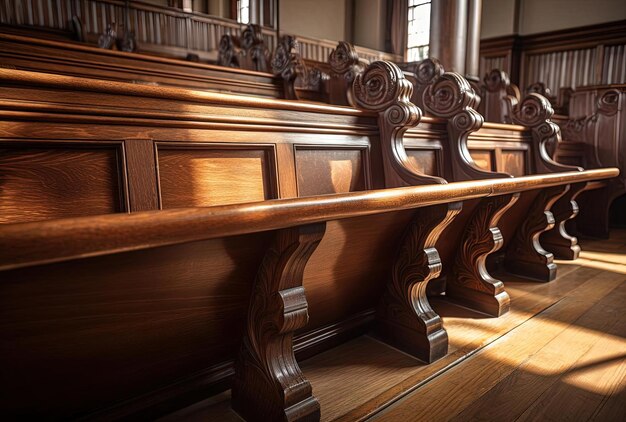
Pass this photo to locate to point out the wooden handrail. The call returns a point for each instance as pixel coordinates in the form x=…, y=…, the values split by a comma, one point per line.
x=51, y=241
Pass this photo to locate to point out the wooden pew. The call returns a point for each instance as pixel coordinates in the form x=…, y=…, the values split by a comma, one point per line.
x=592, y=138
x=447, y=155
x=76, y=59
x=130, y=316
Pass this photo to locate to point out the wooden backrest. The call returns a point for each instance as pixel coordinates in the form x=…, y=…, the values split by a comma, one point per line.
x=68, y=141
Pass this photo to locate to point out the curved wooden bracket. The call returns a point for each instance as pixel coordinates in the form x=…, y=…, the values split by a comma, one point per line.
x=470, y=283
x=557, y=240
x=405, y=318
x=268, y=383
x=383, y=88
x=525, y=256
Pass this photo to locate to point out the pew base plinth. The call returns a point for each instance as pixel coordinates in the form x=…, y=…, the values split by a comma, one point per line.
x=425, y=347
x=494, y=305
x=542, y=272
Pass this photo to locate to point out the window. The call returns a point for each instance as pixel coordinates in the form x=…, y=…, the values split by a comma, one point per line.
x=243, y=11
x=419, y=30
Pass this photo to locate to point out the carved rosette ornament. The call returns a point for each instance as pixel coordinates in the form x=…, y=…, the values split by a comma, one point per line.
x=268, y=383
x=287, y=64
x=405, y=318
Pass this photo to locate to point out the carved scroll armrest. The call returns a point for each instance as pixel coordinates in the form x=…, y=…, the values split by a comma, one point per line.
x=535, y=112
x=383, y=88
x=451, y=97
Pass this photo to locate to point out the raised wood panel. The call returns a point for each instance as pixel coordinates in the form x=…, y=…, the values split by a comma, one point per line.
x=331, y=170
x=102, y=330
x=425, y=161
x=203, y=176
x=514, y=162
x=483, y=159
x=51, y=180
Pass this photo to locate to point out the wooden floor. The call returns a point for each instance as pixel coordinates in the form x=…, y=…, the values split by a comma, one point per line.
x=559, y=354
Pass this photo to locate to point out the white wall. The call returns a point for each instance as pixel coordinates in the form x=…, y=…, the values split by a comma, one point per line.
x=315, y=18
x=550, y=15
x=498, y=18
x=369, y=23
x=536, y=16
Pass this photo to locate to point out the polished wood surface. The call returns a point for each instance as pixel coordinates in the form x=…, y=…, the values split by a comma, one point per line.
x=51, y=180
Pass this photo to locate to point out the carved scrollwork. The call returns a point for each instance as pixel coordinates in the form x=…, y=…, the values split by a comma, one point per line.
x=268, y=380
x=406, y=318
x=380, y=86
x=343, y=59
x=535, y=112
x=287, y=64
x=428, y=71
x=608, y=102
x=449, y=95
x=228, y=52
x=496, y=80
x=383, y=88
x=470, y=282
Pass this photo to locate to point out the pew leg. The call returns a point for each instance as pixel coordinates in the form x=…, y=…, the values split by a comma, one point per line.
x=557, y=240
x=268, y=383
x=470, y=283
x=525, y=256
x=405, y=319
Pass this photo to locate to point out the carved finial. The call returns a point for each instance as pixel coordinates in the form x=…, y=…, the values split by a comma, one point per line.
x=343, y=58
x=533, y=111
x=253, y=54
x=539, y=88
x=227, y=55
x=251, y=36
x=107, y=39
x=428, y=70
x=287, y=64
x=496, y=80
x=449, y=95
x=382, y=87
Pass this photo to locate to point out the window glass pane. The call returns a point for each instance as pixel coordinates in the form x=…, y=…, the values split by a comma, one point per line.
x=243, y=11
x=418, y=30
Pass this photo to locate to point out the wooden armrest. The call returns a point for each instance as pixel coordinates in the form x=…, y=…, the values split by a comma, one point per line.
x=57, y=240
